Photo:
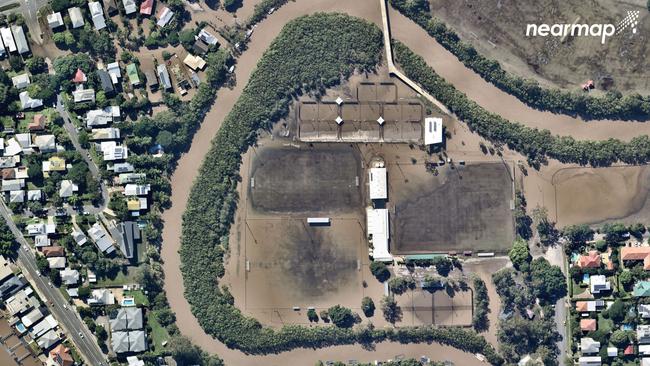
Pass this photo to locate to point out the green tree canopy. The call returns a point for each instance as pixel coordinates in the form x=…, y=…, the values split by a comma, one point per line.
x=520, y=255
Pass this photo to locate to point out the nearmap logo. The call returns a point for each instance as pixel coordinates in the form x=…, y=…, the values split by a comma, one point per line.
x=631, y=21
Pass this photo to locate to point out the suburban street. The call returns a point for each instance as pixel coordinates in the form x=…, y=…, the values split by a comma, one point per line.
x=94, y=170
x=29, y=10
x=67, y=316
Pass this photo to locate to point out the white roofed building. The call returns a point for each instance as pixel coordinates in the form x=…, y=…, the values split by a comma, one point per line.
x=97, y=14
x=55, y=20
x=379, y=233
x=432, y=130
x=76, y=18
x=377, y=184
x=21, y=42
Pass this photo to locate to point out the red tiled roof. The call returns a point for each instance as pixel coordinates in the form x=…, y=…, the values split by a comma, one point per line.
x=637, y=254
x=55, y=251
x=582, y=306
x=146, y=7
x=62, y=356
x=79, y=77
x=591, y=260
x=629, y=350
x=588, y=325
x=38, y=123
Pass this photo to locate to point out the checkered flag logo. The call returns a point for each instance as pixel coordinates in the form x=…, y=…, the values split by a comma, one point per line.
x=631, y=20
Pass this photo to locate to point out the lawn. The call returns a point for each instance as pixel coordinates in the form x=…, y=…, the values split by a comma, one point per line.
x=139, y=296
x=605, y=325
x=119, y=280
x=158, y=332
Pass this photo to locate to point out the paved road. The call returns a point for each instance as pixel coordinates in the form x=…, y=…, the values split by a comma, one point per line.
x=29, y=10
x=74, y=137
x=67, y=317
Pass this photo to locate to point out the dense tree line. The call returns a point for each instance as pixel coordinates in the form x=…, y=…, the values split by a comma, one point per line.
x=310, y=54
x=480, y=321
x=536, y=144
x=613, y=105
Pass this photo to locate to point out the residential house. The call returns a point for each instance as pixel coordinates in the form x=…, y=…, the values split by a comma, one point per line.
x=589, y=361
x=43, y=326
x=106, y=82
x=76, y=18
x=27, y=102
x=102, y=117
x=101, y=297
x=102, y=239
x=112, y=151
x=79, y=237
x=137, y=189
x=133, y=341
x=61, y=356
x=97, y=15
x=164, y=16
x=67, y=188
x=37, y=124
x=127, y=318
x=194, y=62
x=32, y=317
x=41, y=241
x=55, y=20
x=12, y=148
x=47, y=340
x=17, y=196
x=588, y=325
x=5, y=269
x=34, y=195
x=123, y=167
x=644, y=310
x=21, y=81
x=57, y=262
x=21, y=302
x=641, y=289
x=69, y=277
x=53, y=164
x=591, y=260
x=53, y=251
x=643, y=334
x=200, y=47
x=633, y=255
x=12, y=184
x=8, y=39
x=79, y=77
x=132, y=73
x=163, y=75
x=598, y=284
x=105, y=134
x=114, y=71
x=81, y=95
x=21, y=42
x=146, y=7
x=128, y=238
x=589, y=346
x=11, y=286
x=207, y=37
x=126, y=178
x=644, y=349
x=45, y=143
x=129, y=6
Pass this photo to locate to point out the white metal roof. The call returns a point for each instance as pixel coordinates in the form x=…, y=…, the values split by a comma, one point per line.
x=432, y=130
x=377, y=182
x=379, y=230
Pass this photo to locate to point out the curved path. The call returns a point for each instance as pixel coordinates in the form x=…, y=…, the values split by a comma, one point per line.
x=446, y=65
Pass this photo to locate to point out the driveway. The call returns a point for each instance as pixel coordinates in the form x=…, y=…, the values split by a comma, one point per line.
x=29, y=10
